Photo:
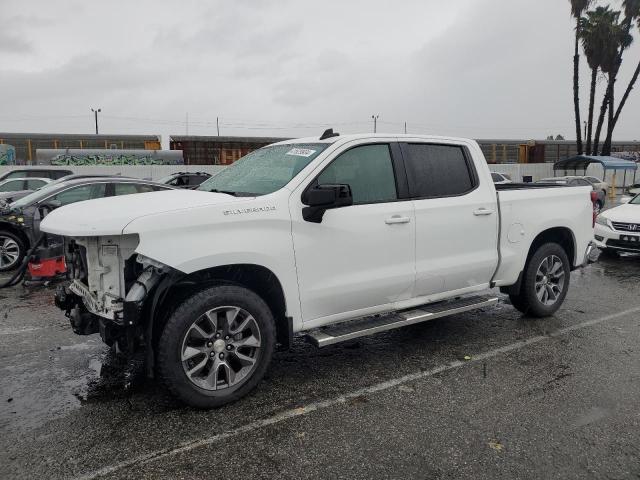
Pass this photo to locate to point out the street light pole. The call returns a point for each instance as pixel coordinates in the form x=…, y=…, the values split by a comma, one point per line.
x=95, y=113
x=375, y=122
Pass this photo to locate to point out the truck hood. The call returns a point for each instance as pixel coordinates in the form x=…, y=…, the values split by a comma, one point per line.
x=109, y=216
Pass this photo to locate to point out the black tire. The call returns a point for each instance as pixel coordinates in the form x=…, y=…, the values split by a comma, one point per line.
x=518, y=302
x=176, y=334
x=527, y=300
x=5, y=264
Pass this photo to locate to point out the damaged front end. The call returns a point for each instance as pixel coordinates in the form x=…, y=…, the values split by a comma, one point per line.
x=109, y=289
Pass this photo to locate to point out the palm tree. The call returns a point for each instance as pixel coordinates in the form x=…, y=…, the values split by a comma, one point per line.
x=577, y=9
x=632, y=14
x=595, y=34
x=614, y=39
x=591, y=37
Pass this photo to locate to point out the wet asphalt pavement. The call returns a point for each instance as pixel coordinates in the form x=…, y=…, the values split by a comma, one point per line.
x=486, y=394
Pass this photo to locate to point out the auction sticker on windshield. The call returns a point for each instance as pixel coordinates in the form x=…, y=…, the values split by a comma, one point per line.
x=301, y=152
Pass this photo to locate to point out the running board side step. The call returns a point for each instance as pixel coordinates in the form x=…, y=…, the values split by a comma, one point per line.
x=369, y=325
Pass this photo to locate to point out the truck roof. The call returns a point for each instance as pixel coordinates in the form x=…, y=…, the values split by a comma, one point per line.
x=364, y=136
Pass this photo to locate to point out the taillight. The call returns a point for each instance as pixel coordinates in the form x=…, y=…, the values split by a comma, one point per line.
x=594, y=199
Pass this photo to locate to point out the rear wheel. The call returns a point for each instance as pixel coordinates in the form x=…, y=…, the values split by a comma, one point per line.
x=545, y=282
x=216, y=346
x=12, y=251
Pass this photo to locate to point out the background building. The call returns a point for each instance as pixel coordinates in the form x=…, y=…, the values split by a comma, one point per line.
x=215, y=150
x=201, y=150
x=212, y=150
x=26, y=144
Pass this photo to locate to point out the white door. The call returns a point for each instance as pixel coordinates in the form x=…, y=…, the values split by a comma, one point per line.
x=456, y=219
x=358, y=257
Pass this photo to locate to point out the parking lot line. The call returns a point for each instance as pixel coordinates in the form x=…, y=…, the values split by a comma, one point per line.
x=315, y=406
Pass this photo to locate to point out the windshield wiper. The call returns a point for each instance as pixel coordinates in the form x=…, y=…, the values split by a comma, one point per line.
x=215, y=190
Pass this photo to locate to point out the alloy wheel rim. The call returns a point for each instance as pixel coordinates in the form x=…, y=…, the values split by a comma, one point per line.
x=550, y=278
x=9, y=252
x=221, y=347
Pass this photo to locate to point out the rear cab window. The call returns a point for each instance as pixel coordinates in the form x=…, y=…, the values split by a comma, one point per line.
x=438, y=170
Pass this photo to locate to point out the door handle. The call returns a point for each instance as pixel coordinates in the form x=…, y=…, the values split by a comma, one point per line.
x=397, y=219
x=482, y=211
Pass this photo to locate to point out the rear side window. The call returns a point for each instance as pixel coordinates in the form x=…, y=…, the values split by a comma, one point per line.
x=369, y=172
x=124, y=189
x=81, y=193
x=496, y=177
x=17, y=174
x=438, y=170
x=12, y=186
x=143, y=188
x=197, y=179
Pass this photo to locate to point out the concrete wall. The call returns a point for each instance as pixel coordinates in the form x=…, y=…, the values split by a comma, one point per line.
x=155, y=172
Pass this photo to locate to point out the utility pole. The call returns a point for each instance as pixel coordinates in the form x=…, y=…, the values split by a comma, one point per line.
x=95, y=114
x=405, y=127
x=217, y=126
x=187, y=123
x=375, y=122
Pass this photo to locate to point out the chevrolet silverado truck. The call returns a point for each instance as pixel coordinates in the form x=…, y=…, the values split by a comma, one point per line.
x=332, y=238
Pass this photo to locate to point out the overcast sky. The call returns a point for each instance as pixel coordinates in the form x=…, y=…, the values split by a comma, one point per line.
x=477, y=68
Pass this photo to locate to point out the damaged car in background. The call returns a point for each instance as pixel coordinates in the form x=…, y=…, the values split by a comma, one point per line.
x=20, y=220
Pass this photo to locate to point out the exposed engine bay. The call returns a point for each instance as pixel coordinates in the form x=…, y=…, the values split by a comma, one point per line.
x=109, y=285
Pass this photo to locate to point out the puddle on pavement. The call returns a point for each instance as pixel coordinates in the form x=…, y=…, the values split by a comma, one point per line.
x=625, y=268
x=43, y=389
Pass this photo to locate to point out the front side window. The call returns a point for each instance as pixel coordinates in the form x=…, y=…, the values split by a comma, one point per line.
x=438, y=170
x=368, y=170
x=81, y=193
x=265, y=170
x=33, y=184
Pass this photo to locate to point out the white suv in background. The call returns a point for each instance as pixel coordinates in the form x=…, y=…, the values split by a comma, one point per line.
x=618, y=229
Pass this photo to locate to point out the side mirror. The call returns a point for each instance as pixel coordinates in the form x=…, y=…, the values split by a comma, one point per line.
x=324, y=197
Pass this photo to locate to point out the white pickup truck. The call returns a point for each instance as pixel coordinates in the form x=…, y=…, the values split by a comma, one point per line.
x=337, y=237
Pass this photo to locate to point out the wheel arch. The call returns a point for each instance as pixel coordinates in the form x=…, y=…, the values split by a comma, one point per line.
x=257, y=278
x=563, y=236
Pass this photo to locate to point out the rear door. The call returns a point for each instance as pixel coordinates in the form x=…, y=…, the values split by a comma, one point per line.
x=362, y=256
x=456, y=218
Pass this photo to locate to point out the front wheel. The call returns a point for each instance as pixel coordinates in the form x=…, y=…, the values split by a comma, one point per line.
x=12, y=251
x=545, y=282
x=216, y=347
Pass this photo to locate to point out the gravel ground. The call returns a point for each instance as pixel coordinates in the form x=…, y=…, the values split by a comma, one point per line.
x=488, y=394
